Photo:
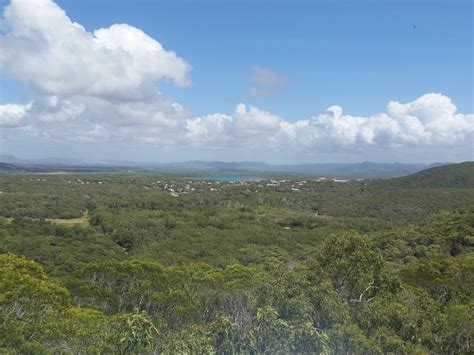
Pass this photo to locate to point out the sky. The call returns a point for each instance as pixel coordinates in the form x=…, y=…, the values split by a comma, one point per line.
x=275, y=81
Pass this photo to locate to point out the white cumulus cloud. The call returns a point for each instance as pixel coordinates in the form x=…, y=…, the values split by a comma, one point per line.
x=45, y=50
x=430, y=120
x=12, y=115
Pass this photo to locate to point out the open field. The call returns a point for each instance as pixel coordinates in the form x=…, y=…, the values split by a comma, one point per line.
x=81, y=221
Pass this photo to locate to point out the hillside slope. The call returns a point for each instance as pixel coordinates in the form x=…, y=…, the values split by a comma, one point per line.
x=455, y=175
x=10, y=167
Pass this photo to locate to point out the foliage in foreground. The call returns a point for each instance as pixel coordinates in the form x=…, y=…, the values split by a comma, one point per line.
x=147, y=263
x=344, y=298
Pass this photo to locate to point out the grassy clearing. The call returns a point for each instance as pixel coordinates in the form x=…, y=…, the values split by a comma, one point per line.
x=81, y=221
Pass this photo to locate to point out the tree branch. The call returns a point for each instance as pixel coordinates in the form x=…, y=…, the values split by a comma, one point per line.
x=361, y=296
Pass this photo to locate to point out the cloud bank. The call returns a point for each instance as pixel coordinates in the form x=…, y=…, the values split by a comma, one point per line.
x=100, y=86
x=432, y=119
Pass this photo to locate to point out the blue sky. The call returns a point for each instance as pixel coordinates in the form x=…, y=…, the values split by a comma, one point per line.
x=355, y=54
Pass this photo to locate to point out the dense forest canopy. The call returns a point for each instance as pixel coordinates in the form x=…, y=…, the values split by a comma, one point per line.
x=149, y=262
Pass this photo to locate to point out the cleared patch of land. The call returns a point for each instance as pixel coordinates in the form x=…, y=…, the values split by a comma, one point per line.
x=82, y=221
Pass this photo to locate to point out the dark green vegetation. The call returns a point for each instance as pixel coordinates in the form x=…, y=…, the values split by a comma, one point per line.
x=149, y=263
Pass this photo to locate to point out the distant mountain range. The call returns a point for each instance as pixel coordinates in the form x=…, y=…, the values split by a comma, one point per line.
x=11, y=159
x=365, y=169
